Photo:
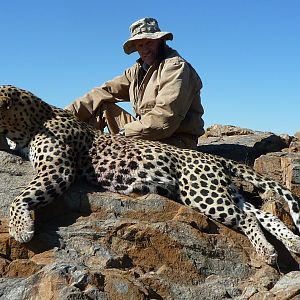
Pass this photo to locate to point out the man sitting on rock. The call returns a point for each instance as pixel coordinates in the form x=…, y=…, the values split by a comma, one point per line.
x=162, y=87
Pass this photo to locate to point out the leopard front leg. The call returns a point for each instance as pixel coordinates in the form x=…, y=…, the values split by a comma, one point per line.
x=44, y=188
x=21, y=224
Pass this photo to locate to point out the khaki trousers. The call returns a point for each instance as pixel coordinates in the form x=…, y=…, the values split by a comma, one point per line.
x=107, y=114
x=115, y=117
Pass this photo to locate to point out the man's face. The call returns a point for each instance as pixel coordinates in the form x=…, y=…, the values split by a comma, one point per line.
x=148, y=49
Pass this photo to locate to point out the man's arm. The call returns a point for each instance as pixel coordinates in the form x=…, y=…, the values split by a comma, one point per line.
x=112, y=91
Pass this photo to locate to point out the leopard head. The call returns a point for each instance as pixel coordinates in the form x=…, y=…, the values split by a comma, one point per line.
x=20, y=111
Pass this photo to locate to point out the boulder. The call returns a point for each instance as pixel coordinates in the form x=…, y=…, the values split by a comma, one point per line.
x=283, y=167
x=91, y=244
x=297, y=135
x=240, y=144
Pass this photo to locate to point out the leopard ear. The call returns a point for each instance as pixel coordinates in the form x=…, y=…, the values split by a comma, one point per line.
x=5, y=103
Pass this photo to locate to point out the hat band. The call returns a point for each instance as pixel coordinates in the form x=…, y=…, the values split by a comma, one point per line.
x=140, y=30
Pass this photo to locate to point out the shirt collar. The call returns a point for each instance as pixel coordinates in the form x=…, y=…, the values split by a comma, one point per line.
x=145, y=66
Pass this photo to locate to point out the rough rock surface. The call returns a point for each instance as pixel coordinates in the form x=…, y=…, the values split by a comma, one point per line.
x=283, y=167
x=240, y=144
x=92, y=244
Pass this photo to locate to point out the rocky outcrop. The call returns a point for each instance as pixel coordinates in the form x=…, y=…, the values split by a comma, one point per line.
x=92, y=244
x=283, y=167
x=243, y=145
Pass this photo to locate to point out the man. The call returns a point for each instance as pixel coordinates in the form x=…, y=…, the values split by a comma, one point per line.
x=163, y=88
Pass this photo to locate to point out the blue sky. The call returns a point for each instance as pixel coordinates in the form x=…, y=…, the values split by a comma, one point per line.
x=246, y=52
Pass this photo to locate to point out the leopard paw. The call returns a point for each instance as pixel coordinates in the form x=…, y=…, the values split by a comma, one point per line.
x=21, y=225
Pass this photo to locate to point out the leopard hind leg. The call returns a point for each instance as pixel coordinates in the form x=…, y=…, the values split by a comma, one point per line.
x=270, y=222
x=224, y=210
x=251, y=228
x=276, y=227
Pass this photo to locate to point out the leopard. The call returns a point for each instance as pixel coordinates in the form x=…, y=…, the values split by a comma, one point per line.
x=64, y=149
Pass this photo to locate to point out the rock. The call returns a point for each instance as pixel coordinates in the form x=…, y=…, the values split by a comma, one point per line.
x=92, y=244
x=294, y=145
x=283, y=167
x=287, y=287
x=129, y=249
x=15, y=174
x=226, y=130
x=297, y=135
x=270, y=165
x=21, y=268
x=240, y=144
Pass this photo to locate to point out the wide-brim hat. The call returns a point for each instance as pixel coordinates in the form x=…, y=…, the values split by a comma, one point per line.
x=146, y=28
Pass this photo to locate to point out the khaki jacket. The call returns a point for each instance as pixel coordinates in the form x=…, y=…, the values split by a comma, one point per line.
x=166, y=99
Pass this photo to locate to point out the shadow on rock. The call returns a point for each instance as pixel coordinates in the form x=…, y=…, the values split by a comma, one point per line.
x=243, y=149
x=62, y=212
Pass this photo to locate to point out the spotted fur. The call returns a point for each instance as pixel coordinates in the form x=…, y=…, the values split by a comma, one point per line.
x=62, y=148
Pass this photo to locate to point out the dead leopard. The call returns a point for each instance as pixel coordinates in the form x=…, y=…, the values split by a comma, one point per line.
x=62, y=148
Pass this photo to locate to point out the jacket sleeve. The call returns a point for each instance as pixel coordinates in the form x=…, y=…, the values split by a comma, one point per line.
x=178, y=83
x=114, y=90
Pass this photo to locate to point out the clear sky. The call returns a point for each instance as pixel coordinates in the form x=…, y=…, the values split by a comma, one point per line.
x=247, y=52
